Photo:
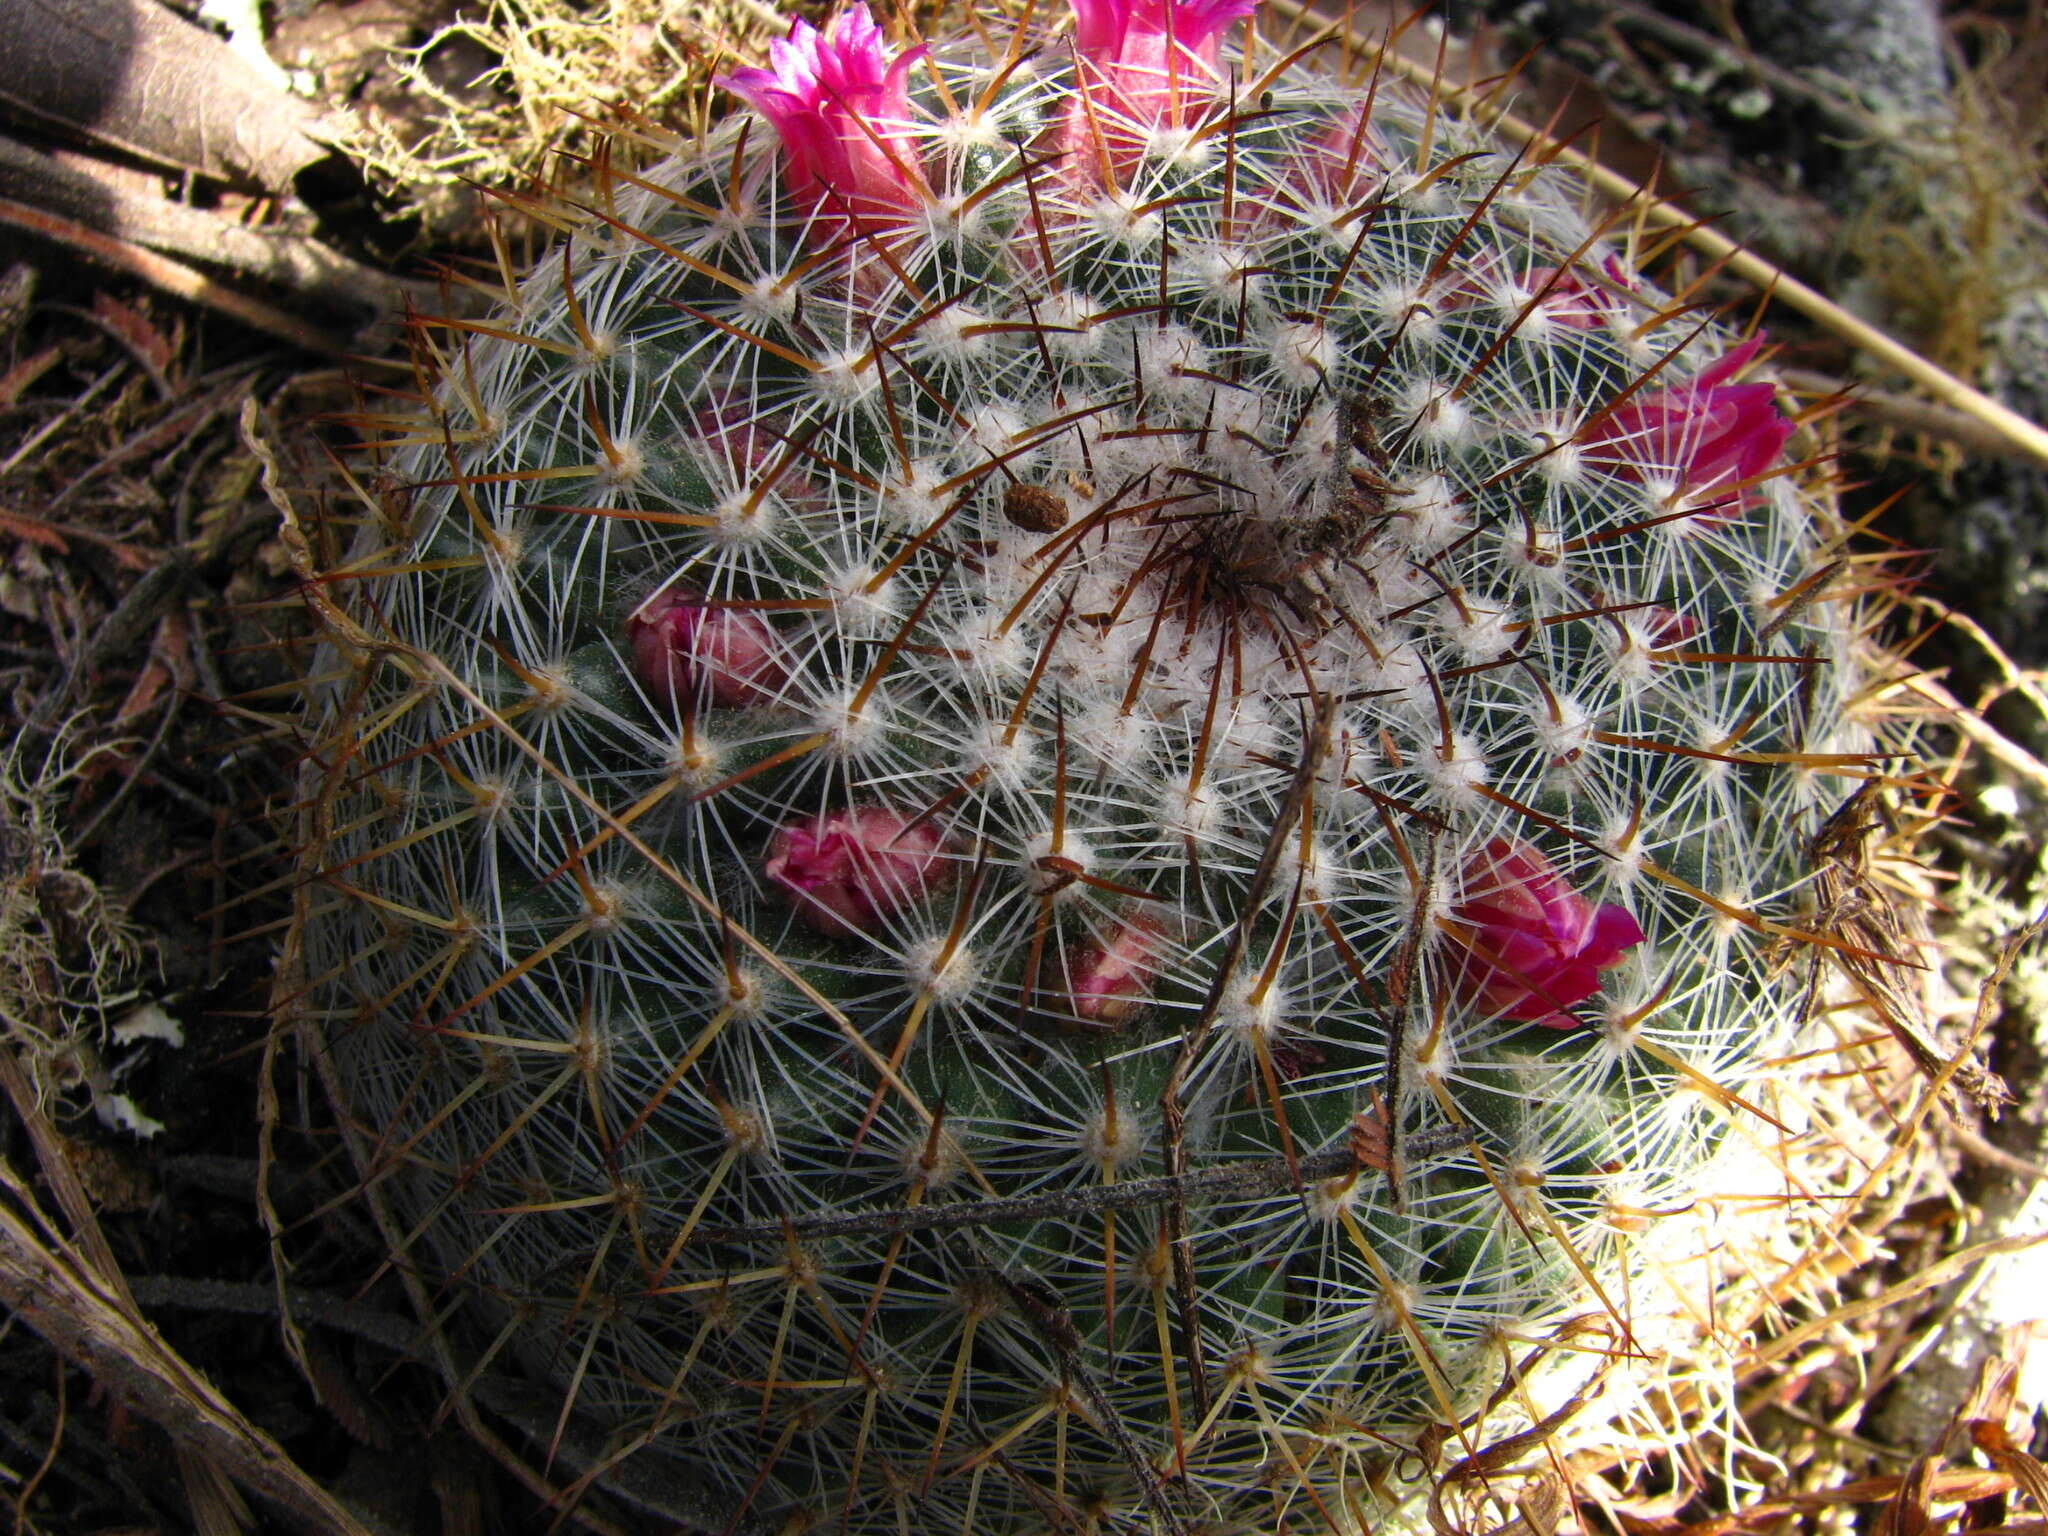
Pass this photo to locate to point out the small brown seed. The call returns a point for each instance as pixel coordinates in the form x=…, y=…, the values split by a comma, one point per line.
x=1034, y=508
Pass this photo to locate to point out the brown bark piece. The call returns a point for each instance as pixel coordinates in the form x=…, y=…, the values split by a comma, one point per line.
x=133, y=75
x=292, y=262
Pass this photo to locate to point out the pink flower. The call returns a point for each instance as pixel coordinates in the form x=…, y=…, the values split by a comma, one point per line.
x=1708, y=433
x=683, y=647
x=1147, y=64
x=846, y=870
x=1112, y=979
x=842, y=108
x=1533, y=946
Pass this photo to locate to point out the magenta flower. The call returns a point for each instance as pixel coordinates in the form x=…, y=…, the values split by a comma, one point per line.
x=845, y=871
x=685, y=649
x=1146, y=64
x=1533, y=946
x=1706, y=432
x=842, y=108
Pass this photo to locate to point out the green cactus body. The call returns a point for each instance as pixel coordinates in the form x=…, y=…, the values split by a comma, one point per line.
x=922, y=765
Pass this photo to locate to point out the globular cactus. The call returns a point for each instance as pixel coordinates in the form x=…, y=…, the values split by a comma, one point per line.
x=1063, y=776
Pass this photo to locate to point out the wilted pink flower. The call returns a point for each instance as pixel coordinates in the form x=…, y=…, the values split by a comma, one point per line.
x=1111, y=979
x=684, y=647
x=1706, y=432
x=842, y=108
x=1533, y=946
x=846, y=870
x=1148, y=64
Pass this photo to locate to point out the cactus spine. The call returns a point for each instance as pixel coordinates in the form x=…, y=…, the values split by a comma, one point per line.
x=1047, y=783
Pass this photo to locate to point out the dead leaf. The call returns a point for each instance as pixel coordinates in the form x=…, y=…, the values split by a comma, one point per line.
x=34, y=529
x=24, y=373
x=143, y=339
x=170, y=663
x=2028, y=1475
x=137, y=75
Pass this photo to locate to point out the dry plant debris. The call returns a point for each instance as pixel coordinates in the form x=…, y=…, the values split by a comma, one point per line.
x=493, y=99
x=132, y=524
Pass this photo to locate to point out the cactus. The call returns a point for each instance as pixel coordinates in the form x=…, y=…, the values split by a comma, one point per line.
x=1062, y=773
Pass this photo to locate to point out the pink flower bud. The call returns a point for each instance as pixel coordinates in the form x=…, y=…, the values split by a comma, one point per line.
x=685, y=648
x=1533, y=946
x=1668, y=628
x=1111, y=980
x=1570, y=300
x=842, y=108
x=1566, y=297
x=846, y=871
x=1342, y=163
x=1706, y=432
x=1295, y=1056
x=1145, y=65
x=753, y=446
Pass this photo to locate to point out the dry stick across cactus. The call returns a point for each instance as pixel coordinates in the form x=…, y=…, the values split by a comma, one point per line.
x=1059, y=781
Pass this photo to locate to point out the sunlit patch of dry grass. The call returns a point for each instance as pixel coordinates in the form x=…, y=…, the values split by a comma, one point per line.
x=560, y=67
x=1966, y=231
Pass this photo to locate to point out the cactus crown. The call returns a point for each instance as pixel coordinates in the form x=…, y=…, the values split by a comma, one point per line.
x=1050, y=774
